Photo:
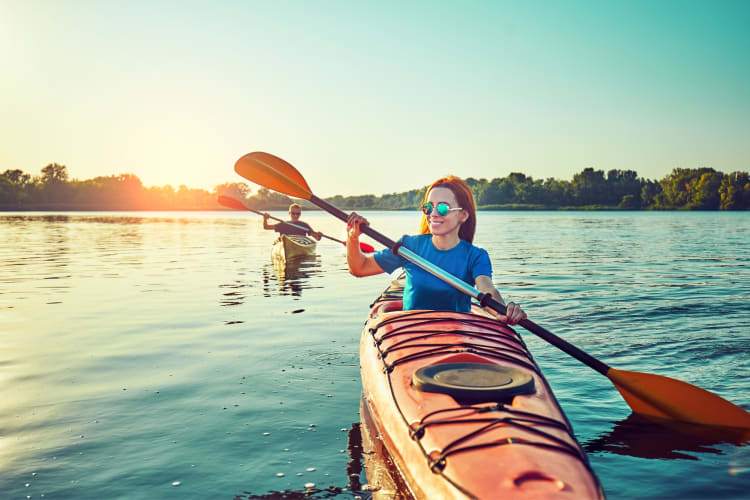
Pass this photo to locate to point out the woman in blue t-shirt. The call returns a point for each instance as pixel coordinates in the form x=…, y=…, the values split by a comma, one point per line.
x=447, y=232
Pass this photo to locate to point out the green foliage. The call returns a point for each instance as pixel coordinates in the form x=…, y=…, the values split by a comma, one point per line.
x=266, y=199
x=734, y=192
x=699, y=189
x=238, y=190
x=630, y=202
x=54, y=173
x=682, y=189
x=649, y=193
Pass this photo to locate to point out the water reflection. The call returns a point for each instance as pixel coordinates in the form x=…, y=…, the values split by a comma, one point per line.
x=234, y=294
x=365, y=453
x=119, y=218
x=278, y=278
x=309, y=494
x=290, y=277
x=637, y=436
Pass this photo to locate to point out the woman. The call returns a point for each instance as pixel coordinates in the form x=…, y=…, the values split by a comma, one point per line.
x=447, y=232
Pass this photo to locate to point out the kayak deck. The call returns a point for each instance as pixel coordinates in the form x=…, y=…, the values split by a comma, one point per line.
x=495, y=430
x=290, y=246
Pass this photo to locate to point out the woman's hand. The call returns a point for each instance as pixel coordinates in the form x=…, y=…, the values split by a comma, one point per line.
x=513, y=314
x=353, y=224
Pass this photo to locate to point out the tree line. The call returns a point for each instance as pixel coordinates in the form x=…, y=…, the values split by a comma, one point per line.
x=682, y=189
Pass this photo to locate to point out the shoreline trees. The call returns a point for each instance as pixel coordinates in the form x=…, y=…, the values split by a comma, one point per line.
x=590, y=189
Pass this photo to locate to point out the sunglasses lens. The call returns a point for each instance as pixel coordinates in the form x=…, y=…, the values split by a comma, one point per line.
x=441, y=208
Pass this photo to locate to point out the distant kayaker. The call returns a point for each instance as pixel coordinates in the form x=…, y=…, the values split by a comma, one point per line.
x=447, y=233
x=288, y=227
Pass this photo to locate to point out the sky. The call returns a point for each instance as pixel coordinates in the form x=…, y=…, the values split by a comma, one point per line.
x=367, y=97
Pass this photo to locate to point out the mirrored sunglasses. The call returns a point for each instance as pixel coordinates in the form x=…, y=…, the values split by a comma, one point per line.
x=442, y=208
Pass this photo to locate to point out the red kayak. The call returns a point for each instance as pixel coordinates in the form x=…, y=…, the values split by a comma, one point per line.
x=462, y=409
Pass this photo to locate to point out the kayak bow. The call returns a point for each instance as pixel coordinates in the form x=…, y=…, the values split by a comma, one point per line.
x=463, y=410
x=290, y=246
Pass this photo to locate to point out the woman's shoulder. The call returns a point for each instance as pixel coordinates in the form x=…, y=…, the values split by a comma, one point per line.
x=472, y=246
x=415, y=240
x=473, y=250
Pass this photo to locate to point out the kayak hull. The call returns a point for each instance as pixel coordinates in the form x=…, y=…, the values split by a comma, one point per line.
x=497, y=445
x=288, y=247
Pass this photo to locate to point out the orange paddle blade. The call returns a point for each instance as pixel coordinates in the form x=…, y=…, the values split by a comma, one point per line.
x=231, y=203
x=664, y=397
x=274, y=173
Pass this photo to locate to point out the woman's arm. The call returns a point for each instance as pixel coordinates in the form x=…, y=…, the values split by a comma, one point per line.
x=514, y=313
x=360, y=264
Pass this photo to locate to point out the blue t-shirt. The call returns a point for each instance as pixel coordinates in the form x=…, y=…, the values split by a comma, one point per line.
x=422, y=290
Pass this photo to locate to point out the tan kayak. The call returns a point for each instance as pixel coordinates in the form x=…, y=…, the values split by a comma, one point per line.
x=290, y=246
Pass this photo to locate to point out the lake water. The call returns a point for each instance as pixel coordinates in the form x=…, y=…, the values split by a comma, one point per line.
x=161, y=355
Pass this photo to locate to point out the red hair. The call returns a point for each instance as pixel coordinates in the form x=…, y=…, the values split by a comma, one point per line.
x=465, y=200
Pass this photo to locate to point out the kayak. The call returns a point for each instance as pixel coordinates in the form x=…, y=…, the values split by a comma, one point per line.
x=463, y=410
x=289, y=246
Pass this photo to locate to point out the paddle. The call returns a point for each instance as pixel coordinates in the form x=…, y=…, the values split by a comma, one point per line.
x=236, y=204
x=646, y=394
